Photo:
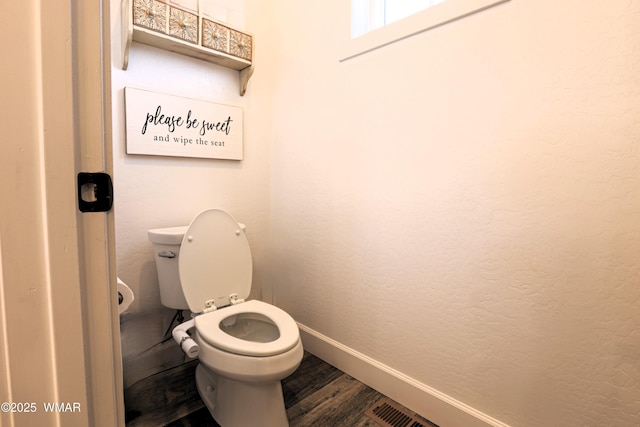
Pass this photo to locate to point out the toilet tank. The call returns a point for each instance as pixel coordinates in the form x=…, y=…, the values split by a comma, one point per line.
x=166, y=248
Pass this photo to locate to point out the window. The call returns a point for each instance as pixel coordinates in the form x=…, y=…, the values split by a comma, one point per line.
x=368, y=15
x=378, y=23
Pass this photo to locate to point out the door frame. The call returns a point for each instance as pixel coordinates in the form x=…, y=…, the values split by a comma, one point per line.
x=97, y=231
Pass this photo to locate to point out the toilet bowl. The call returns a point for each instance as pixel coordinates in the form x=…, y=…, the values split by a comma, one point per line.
x=244, y=347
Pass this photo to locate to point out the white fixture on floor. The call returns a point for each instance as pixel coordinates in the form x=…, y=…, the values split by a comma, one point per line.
x=245, y=348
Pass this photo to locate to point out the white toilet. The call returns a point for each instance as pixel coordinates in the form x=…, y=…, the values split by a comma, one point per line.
x=245, y=347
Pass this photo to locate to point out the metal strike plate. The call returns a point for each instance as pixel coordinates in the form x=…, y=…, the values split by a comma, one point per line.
x=95, y=192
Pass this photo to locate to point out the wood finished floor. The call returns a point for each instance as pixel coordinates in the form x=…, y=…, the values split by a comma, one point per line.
x=317, y=394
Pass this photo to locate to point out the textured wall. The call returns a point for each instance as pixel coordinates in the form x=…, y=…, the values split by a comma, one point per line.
x=156, y=191
x=464, y=206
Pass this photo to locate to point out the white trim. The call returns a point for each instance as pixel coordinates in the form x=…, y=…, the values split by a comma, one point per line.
x=92, y=74
x=432, y=17
x=432, y=404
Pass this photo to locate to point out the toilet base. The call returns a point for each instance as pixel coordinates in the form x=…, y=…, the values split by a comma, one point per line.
x=239, y=404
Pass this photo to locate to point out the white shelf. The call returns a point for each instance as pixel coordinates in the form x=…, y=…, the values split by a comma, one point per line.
x=161, y=39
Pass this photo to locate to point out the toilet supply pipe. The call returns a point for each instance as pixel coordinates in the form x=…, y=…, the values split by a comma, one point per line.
x=182, y=337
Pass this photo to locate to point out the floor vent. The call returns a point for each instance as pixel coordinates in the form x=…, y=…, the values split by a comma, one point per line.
x=388, y=413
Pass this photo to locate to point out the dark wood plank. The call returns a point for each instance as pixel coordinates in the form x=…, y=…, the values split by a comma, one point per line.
x=162, y=397
x=317, y=395
x=312, y=375
x=342, y=402
x=199, y=418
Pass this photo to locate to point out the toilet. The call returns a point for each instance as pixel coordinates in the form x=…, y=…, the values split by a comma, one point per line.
x=244, y=347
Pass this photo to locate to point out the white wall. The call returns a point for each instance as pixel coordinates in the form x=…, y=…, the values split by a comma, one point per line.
x=463, y=206
x=156, y=191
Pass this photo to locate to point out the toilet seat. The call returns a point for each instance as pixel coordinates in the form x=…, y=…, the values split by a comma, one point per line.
x=215, y=270
x=208, y=327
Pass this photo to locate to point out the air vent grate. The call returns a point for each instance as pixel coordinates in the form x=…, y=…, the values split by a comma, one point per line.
x=388, y=413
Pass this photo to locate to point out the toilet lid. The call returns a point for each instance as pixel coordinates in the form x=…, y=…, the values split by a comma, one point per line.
x=215, y=260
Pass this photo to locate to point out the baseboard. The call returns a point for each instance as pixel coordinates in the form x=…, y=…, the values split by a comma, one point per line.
x=420, y=398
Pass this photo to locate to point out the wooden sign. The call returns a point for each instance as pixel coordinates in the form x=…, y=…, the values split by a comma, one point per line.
x=167, y=125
